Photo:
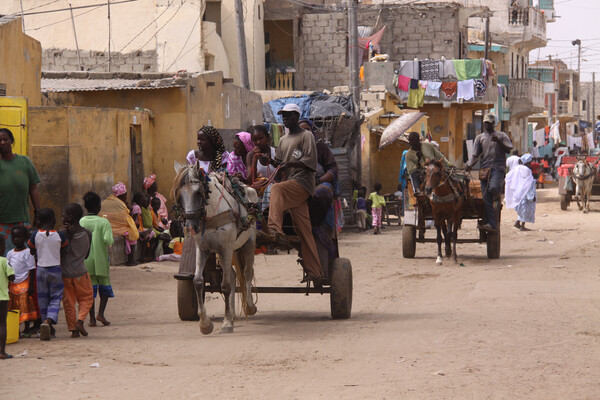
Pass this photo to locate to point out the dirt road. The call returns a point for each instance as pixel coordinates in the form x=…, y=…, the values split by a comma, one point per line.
x=525, y=326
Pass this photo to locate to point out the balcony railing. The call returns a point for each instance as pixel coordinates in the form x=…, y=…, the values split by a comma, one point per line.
x=281, y=81
x=527, y=21
x=526, y=94
x=566, y=107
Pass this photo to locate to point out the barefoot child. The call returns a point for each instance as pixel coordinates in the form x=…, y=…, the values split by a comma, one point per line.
x=97, y=262
x=78, y=285
x=7, y=274
x=361, y=209
x=377, y=204
x=22, y=290
x=47, y=243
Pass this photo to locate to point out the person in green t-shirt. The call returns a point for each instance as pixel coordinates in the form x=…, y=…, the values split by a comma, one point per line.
x=377, y=204
x=18, y=183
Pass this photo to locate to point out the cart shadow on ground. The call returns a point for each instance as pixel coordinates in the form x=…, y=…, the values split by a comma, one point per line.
x=299, y=324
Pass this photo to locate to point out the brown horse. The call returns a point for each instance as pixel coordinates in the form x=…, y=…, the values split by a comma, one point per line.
x=446, y=196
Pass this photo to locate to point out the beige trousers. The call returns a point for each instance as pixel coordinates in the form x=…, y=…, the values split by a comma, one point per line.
x=290, y=195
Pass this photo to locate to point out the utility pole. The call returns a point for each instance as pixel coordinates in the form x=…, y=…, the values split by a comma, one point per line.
x=22, y=16
x=577, y=42
x=594, y=114
x=487, y=37
x=353, y=44
x=354, y=85
x=109, y=33
x=75, y=34
x=241, y=36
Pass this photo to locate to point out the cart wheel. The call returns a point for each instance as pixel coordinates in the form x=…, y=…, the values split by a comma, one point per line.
x=564, y=203
x=493, y=244
x=409, y=241
x=340, y=297
x=187, y=301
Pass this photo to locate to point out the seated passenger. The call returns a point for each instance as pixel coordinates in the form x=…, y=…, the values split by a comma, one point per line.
x=236, y=160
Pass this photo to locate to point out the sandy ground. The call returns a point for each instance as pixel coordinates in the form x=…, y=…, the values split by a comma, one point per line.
x=521, y=327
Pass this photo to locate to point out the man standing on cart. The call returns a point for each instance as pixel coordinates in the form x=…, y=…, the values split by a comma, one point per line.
x=297, y=154
x=490, y=148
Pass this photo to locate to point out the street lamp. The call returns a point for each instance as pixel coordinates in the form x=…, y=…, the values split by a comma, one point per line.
x=577, y=42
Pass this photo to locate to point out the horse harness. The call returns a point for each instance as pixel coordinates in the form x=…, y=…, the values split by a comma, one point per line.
x=591, y=173
x=450, y=197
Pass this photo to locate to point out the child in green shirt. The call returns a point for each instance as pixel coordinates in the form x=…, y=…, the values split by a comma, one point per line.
x=6, y=274
x=377, y=204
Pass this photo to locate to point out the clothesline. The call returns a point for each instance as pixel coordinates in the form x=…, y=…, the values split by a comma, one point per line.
x=416, y=79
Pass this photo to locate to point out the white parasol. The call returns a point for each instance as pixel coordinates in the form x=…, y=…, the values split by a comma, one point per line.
x=397, y=129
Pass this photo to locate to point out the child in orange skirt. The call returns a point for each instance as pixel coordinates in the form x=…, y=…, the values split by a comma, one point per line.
x=22, y=290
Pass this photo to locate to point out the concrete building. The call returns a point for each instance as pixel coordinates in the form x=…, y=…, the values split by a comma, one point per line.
x=590, y=104
x=561, y=91
x=144, y=35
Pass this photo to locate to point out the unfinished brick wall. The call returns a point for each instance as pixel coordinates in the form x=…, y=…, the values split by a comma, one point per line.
x=97, y=61
x=324, y=56
x=418, y=31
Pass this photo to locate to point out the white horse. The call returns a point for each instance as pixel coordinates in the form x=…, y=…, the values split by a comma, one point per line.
x=583, y=176
x=219, y=225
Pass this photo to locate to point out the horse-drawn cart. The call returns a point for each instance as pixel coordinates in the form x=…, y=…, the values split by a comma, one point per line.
x=338, y=282
x=566, y=186
x=418, y=218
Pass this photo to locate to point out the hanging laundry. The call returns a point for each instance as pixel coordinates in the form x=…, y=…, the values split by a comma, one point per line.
x=447, y=70
x=555, y=132
x=414, y=84
x=546, y=136
x=480, y=87
x=430, y=70
x=466, y=89
x=539, y=137
x=467, y=69
x=416, y=98
x=408, y=68
x=403, y=82
x=449, y=89
x=433, y=89
x=590, y=140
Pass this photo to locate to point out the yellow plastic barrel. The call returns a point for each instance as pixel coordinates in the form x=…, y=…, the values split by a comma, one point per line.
x=12, y=326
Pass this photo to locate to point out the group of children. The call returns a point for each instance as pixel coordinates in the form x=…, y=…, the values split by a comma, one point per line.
x=48, y=266
x=377, y=202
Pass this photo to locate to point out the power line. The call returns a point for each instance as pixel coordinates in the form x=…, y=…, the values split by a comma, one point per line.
x=185, y=43
x=63, y=20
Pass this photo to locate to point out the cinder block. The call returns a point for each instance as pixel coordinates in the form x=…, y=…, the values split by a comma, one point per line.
x=365, y=96
x=377, y=88
x=69, y=53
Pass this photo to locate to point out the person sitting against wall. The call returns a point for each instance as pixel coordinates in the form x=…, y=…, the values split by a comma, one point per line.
x=152, y=189
x=114, y=208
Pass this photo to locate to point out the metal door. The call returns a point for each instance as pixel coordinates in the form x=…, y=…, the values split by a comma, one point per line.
x=13, y=116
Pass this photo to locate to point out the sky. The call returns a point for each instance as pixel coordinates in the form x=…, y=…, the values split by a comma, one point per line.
x=577, y=19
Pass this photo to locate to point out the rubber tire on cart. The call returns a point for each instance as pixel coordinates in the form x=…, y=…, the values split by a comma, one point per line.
x=340, y=297
x=493, y=244
x=409, y=241
x=564, y=203
x=187, y=301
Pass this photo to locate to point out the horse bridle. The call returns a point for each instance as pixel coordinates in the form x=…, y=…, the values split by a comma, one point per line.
x=587, y=167
x=200, y=212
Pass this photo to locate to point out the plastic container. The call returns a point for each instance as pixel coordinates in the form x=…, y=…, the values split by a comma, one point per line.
x=12, y=326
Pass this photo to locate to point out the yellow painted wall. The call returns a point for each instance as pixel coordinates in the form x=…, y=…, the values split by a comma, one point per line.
x=178, y=114
x=77, y=149
x=20, y=62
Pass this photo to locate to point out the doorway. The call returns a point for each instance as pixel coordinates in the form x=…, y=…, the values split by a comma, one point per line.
x=137, y=160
